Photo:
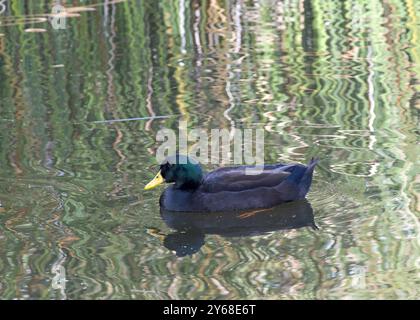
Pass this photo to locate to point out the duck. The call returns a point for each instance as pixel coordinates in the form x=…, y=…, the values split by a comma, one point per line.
x=229, y=189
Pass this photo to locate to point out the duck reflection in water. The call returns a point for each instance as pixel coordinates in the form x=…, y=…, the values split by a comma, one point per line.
x=192, y=228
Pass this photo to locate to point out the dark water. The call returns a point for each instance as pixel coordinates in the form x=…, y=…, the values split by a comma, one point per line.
x=333, y=79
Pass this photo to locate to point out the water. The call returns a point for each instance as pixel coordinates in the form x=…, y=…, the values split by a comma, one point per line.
x=332, y=79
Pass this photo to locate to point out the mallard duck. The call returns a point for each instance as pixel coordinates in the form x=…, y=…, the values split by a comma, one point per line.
x=229, y=188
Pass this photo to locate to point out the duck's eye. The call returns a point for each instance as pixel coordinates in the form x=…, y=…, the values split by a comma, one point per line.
x=165, y=167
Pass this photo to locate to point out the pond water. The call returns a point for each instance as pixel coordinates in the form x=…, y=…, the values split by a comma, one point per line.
x=333, y=79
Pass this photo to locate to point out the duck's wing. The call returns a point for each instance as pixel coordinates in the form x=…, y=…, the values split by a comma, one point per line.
x=244, y=177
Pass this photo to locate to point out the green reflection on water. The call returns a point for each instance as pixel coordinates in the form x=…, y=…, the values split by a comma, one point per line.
x=329, y=78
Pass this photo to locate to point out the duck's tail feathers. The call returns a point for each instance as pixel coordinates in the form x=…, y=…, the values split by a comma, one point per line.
x=306, y=181
x=299, y=172
x=312, y=163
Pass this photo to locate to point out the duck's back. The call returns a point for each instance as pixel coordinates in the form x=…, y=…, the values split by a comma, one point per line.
x=244, y=177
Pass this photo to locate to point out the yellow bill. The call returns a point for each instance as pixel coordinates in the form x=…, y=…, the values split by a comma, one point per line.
x=155, y=182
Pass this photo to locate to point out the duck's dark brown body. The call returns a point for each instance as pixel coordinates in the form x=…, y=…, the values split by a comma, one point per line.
x=230, y=189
